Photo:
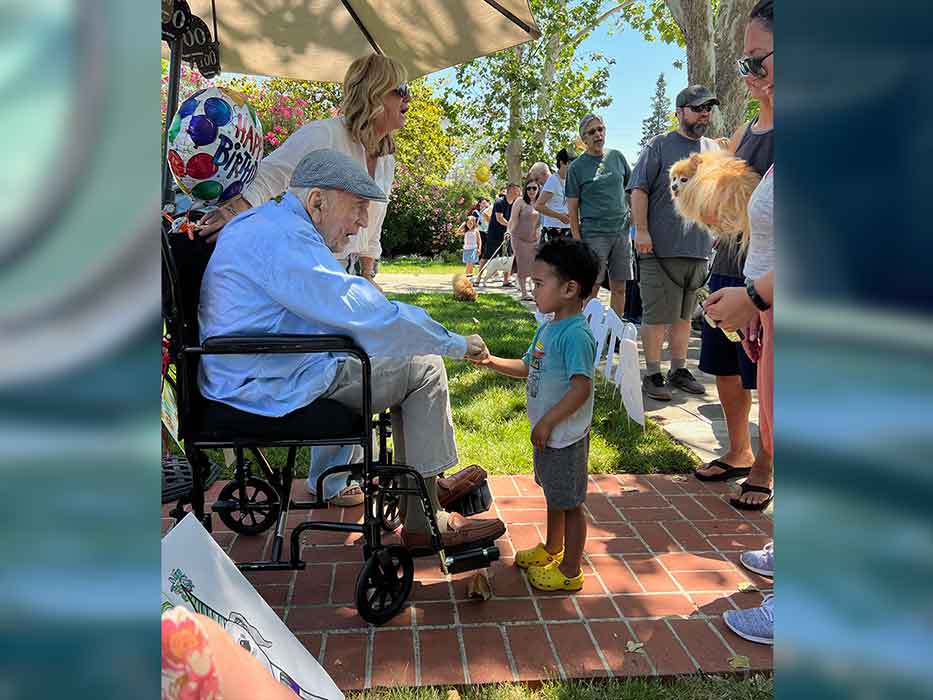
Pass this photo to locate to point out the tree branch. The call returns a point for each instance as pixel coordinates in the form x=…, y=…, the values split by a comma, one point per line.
x=583, y=33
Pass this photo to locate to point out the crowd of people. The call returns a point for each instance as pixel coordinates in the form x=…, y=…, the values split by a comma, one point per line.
x=306, y=263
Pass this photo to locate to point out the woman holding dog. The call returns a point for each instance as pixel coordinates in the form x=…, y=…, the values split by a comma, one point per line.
x=749, y=308
x=525, y=228
x=735, y=371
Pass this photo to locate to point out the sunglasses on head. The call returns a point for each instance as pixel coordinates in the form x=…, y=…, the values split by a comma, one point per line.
x=700, y=109
x=403, y=91
x=595, y=129
x=752, y=65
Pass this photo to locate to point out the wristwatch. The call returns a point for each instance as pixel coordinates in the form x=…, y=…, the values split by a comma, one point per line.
x=756, y=298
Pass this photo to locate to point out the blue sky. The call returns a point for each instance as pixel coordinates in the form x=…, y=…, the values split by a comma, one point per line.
x=631, y=81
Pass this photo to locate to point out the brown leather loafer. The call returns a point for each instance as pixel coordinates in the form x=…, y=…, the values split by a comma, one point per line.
x=457, y=485
x=460, y=531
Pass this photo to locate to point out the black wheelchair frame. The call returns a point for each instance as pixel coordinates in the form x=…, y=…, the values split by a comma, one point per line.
x=385, y=580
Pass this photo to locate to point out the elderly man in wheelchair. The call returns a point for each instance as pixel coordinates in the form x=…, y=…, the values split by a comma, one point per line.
x=274, y=272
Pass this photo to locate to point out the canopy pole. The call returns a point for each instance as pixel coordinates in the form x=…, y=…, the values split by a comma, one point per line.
x=359, y=25
x=512, y=18
x=174, y=83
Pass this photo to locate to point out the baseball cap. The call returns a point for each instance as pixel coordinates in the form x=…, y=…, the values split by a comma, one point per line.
x=332, y=170
x=694, y=96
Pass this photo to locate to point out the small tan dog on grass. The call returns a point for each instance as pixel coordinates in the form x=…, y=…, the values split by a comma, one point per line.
x=463, y=288
x=712, y=189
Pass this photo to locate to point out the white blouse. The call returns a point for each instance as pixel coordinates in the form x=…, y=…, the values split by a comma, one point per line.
x=276, y=170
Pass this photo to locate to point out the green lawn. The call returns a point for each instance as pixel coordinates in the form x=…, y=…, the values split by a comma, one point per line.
x=414, y=265
x=756, y=687
x=489, y=409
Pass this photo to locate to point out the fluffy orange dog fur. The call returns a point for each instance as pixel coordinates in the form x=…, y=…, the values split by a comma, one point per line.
x=463, y=288
x=712, y=189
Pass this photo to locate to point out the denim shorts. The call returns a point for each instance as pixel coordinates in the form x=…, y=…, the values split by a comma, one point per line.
x=719, y=356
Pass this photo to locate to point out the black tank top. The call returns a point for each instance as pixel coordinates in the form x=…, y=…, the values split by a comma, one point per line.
x=758, y=151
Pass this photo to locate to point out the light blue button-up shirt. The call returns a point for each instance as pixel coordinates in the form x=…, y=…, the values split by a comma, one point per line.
x=271, y=272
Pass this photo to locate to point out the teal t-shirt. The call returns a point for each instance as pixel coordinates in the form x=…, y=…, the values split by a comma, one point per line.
x=559, y=350
x=599, y=185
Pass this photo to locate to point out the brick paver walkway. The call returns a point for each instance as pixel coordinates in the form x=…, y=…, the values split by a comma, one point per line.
x=661, y=564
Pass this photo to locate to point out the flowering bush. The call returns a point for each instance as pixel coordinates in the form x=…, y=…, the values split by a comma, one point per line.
x=419, y=219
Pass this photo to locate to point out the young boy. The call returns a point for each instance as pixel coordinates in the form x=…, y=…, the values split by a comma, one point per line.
x=559, y=370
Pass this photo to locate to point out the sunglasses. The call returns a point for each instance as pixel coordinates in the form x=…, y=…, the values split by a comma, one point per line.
x=533, y=188
x=403, y=91
x=750, y=65
x=595, y=129
x=700, y=109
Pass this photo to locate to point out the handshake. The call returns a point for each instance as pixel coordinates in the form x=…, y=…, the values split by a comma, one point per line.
x=476, y=349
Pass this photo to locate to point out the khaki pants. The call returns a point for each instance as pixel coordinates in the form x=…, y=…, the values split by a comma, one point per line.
x=415, y=391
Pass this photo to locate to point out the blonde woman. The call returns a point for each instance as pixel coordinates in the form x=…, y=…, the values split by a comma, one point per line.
x=375, y=101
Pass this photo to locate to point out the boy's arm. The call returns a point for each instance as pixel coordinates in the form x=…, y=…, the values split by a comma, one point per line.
x=506, y=366
x=580, y=387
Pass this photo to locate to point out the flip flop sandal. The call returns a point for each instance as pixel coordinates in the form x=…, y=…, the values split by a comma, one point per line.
x=550, y=578
x=729, y=473
x=751, y=488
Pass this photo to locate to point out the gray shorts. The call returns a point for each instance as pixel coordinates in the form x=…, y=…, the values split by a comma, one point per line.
x=615, y=256
x=671, y=295
x=562, y=473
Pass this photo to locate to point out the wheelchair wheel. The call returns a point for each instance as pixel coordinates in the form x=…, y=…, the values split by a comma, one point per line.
x=384, y=584
x=262, y=506
x=387, y=508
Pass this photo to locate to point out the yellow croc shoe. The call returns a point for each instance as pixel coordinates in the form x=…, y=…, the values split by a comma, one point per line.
x=537, y=556
x=550, y=578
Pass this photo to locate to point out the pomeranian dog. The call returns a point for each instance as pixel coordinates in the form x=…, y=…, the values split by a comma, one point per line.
x=712, y=189
x=463, y=288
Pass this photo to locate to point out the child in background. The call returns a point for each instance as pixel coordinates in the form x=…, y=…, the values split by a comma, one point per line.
x=469, y=229
x=558, y=367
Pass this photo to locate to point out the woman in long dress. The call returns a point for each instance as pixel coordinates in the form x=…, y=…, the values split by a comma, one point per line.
x=525, y=228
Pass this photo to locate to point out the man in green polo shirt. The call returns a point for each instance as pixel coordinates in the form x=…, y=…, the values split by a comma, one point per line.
x=596, y=204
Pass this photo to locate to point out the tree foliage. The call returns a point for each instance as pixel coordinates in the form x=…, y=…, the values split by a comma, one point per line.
x=658, y=121
x=525, y=102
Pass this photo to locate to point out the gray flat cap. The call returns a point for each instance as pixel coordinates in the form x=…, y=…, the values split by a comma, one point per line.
x=586, y=120
x=331, y=170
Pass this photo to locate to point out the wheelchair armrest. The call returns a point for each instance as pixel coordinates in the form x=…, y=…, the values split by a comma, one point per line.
x=277, y=344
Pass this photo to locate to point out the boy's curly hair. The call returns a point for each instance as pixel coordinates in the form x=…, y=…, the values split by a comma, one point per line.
x=573, y=261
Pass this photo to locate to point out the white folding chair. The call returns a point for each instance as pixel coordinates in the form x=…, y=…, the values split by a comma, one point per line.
x=595, y=314
x=624, y=373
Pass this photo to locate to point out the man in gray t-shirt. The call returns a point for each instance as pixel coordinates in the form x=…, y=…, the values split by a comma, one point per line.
x=673, y=255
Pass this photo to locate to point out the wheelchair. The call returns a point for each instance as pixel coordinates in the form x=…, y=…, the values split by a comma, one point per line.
x=259, y=498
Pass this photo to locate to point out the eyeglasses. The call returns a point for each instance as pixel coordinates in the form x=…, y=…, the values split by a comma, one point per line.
x=700, y=109
x=595, y=129
x=403, y=91
x=752, y=65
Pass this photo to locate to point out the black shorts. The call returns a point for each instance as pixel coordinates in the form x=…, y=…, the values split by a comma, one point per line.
x=549, y=233
x=719, y=356
x=492, y=243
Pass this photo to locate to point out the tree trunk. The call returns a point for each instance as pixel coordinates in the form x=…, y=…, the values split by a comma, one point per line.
x=552, y=49
x=695, y=20
x=513, y=151
x=730, y=36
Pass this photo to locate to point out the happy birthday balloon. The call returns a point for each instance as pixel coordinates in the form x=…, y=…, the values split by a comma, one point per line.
x=483, y=173
x=215, y=144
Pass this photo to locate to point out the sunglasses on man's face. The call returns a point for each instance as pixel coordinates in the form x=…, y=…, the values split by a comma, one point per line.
x=403, y=91
x=701, y=109
x=752, y=65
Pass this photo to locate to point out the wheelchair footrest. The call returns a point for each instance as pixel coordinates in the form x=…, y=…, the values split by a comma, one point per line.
x=474, y=502
x=476, y=555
